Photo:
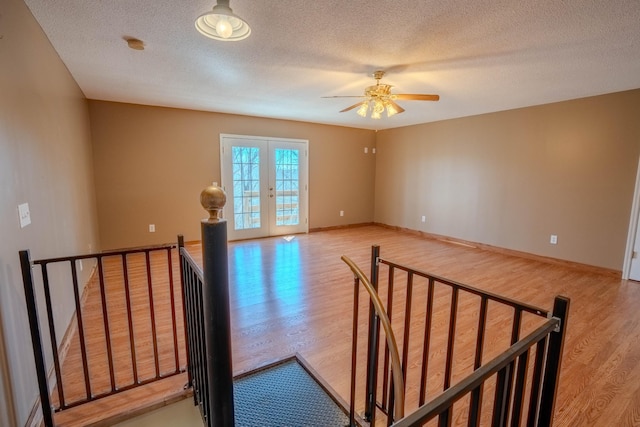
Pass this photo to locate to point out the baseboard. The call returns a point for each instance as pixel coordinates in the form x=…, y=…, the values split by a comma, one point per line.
x=340, y=227
x=617, y=274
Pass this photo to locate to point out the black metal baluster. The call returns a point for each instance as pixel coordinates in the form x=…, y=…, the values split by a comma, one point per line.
x=83, y=345
x=152, y=313
x=475, y=408
x=132, y=341
x=194, y=353
x=354, y=351
x=386, y=406
x=373, y=347
x=407, y=326
x=173, y=311
x=36, y=340
x=515, y=335
x=444, y=418
x=500, y=401
x=105, y=319
x=183, y=294
x=426, y=343
x=536, y=383
x=204, y=374
x=52, y=335
x=451, y=338
x=518, y=394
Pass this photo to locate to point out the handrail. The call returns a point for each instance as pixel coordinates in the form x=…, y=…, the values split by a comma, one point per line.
x=396, y=368
x=141, y=249
x=504, y=300
x=441, y=403
x=192, y=263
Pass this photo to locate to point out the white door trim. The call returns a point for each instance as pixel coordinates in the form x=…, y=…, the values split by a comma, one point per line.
x=633, y=227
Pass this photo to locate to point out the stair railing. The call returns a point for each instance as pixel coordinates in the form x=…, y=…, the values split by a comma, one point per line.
x=112, y=271
x=381, y=315
x=511, y=380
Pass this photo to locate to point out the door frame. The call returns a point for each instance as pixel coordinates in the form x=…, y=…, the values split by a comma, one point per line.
x=304, y=181
x=633, y=227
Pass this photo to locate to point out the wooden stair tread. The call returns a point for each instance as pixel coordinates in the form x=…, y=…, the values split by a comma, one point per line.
x=128, y=404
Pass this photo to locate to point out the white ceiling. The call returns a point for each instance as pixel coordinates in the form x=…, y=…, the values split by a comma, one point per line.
x=479, y=56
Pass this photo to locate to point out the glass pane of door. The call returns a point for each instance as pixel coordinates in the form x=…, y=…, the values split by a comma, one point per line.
x=287, y=185
x=246, y=187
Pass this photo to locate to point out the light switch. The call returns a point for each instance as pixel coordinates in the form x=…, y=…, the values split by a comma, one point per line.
x=24, y=215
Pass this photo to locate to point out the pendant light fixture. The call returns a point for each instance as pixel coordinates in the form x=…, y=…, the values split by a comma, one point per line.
x=222, y=24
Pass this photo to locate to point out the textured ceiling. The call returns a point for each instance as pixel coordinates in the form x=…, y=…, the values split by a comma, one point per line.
x=479, y=56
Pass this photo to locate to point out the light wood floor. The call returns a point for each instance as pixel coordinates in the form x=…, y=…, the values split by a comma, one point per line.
x=295, y=297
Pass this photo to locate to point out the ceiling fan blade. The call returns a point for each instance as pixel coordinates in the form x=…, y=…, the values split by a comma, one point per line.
x=344, y=96
x=416, y=97
x=351, y=107
x=398, y=108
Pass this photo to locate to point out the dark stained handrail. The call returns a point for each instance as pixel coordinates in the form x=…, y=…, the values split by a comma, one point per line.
x=495, y=297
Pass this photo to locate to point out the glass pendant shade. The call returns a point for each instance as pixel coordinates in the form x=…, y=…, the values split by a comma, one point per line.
x=362, y=111
x=391, y=110
x=222, y=24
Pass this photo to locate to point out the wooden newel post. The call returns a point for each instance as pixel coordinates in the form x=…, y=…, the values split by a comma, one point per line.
x=216, y=309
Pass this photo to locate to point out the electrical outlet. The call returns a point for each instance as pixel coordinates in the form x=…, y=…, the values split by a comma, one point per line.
x=554, y=239
x=373, y=151
x=152, y=228
x=366, y=150
x=341, y=213
x=424, y=218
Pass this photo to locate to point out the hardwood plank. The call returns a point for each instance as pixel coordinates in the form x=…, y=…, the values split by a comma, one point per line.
x=296, y=297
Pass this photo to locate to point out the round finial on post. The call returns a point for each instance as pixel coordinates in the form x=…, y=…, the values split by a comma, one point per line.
x=213, y=200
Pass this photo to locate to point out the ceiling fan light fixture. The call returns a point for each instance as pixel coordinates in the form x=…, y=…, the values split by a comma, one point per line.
x=378, y=107
x=222, y=24
x=378, y=98
x=391, y=110
x=364, y=108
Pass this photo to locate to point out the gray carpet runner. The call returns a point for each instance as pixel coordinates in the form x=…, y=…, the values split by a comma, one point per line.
x=284, y=395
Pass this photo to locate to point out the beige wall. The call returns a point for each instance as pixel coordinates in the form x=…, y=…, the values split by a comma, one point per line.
x=152, y=163
x=45, y=160
x=513, y=178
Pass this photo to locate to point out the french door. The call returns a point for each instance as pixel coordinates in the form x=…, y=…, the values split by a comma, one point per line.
x=266, y=181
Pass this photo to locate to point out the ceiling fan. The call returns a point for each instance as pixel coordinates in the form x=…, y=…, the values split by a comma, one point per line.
x=379, y=98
